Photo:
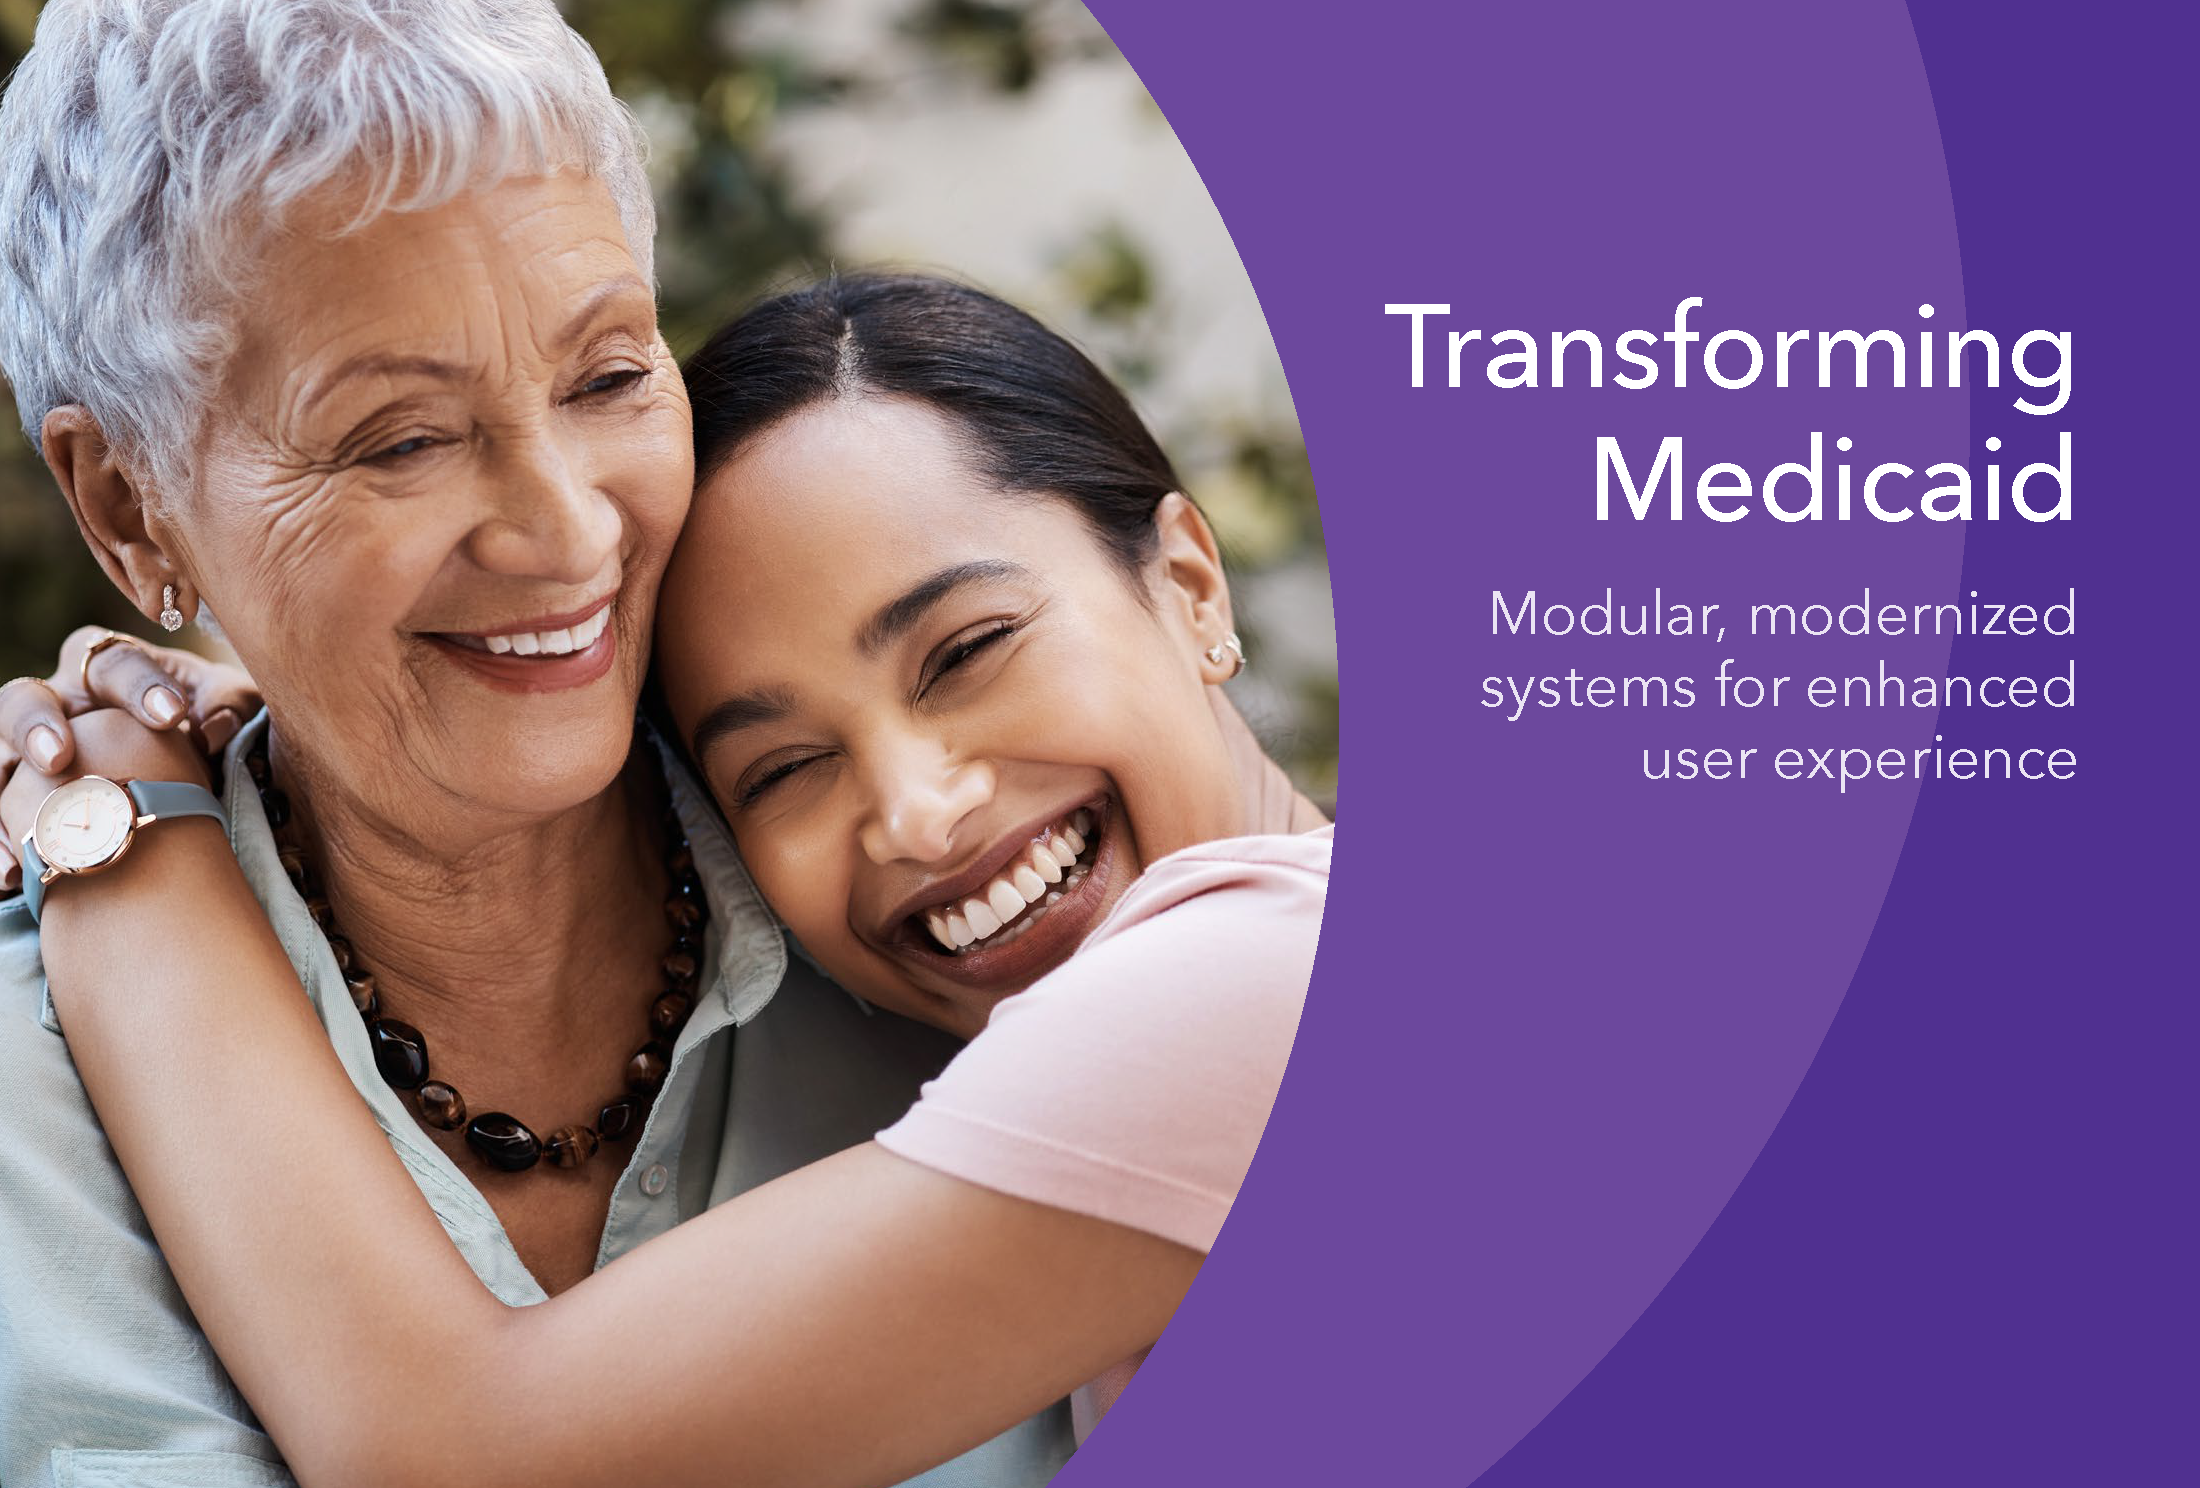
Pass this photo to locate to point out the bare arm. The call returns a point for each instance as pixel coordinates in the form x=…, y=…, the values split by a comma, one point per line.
x=851, y=1323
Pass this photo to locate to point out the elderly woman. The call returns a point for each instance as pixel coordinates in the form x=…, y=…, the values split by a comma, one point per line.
x=334, y=319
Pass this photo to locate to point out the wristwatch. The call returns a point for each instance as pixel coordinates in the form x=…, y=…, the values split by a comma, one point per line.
x=87, y=825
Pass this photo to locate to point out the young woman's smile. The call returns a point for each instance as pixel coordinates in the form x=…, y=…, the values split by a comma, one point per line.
x=949, y=726
x=1020, y=909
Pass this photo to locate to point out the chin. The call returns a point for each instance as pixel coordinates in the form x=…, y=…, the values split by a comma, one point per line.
x=540, y=766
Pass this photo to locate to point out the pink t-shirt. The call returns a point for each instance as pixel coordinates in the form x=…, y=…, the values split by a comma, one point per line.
x=1132, y=1082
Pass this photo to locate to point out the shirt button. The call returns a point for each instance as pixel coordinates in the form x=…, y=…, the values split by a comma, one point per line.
x=653, y=1181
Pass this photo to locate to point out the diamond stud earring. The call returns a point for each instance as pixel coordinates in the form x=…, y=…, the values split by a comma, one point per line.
x=1229, y=648
x=171, y=618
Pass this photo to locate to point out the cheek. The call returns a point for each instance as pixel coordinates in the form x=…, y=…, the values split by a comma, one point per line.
x=293, y=569
x=803, y=868
x=1117, y=684
x=1138, y=710
x=649, y=467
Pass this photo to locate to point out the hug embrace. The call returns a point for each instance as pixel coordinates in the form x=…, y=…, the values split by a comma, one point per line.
x=728, y=930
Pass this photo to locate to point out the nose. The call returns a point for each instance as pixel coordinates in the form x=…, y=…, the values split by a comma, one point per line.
x=546, y=517
x=919, y=793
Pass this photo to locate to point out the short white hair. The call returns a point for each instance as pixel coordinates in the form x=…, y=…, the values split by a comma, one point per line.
x=146, y=144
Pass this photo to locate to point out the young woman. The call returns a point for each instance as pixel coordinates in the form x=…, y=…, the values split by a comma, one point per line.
x=946, y=643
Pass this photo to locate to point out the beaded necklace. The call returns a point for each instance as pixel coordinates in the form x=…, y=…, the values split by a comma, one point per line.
x=401, y=1052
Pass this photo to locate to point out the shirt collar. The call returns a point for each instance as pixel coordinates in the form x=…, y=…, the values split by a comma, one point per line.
x=751, y=950
x=745, y=953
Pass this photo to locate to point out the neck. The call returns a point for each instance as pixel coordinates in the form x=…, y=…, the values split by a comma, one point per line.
x=511, y=946
x=1267, y=800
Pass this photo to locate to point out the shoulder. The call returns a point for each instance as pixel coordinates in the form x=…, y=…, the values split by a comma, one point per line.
x=1132, y=1083
x=1214, y=944
x=1270, y=875
x=99, y=1350
x=1241, y=913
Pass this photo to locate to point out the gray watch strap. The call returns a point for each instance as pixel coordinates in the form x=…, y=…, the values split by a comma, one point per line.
x=159, y=799
x=34, y=870
x=167, y=798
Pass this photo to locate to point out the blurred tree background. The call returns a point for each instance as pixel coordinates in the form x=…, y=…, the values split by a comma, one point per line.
x=1004, y=141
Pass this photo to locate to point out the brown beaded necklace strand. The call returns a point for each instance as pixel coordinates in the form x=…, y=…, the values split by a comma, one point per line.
x=401, y=1053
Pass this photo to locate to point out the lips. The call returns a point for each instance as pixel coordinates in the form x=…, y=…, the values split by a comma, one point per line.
x=1015, y=949
x=1021, y=893
x=551, y=653
x=560, y=641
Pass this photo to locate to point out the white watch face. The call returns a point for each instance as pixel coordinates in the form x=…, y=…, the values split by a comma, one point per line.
x=84, y=824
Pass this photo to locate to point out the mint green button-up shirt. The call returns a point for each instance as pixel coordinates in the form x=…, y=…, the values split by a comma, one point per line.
x=106, y=1381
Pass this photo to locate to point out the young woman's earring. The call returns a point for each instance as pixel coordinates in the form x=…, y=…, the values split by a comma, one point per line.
x=1229, y=649
x=171, y=618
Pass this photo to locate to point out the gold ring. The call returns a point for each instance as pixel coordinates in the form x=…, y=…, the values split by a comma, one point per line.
x=111, y=638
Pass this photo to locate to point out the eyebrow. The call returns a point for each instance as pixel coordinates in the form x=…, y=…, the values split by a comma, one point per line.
x=598, y=297
x=896, y=617
x=743, y=710
x=383, y=364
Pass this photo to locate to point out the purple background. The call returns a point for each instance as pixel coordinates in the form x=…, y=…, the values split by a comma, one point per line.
x=1548, y=1192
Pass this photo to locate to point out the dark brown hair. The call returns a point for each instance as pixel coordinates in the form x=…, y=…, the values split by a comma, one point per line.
x=1036, y=415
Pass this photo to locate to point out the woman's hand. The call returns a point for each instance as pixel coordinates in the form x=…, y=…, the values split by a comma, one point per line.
x=151, y=692
x=108, y=742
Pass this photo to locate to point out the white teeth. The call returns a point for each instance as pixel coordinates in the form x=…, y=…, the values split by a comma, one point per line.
x=936, y=922
x=551, y=642
x=999, y=908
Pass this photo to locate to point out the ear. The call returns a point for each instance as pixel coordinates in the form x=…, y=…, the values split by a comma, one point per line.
x=110, y=510
x=1190, y=582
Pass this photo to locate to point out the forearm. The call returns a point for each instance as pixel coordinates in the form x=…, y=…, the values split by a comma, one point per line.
x=852, y=1323
x=311, y=1260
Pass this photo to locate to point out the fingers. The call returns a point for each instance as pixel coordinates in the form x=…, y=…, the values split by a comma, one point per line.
x=18, y=782
x=217, y=730
x=124, y=675
x=34, y=725
x=11, y=871
x=22, y=787
x=220, y=698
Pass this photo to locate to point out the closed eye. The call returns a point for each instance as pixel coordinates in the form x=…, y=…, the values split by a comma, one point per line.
x=749, y=791
x=960, y=652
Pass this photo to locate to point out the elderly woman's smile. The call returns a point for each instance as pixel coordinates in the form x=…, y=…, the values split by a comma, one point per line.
x=447, y=464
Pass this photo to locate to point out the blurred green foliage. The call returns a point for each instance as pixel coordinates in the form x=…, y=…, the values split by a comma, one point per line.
x=734, y=221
